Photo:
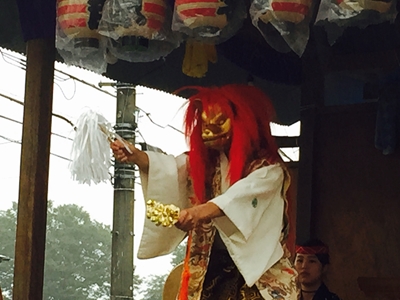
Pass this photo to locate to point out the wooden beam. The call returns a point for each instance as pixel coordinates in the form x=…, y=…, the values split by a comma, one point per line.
x=34, y=171
x=287, y=141
x=312, y=95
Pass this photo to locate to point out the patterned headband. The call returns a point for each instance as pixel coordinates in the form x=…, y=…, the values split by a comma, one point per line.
x=312, y=249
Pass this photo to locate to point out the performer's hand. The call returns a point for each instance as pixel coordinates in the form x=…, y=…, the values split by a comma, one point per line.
x=121, y=153
x=189, y=218
x=136, y=156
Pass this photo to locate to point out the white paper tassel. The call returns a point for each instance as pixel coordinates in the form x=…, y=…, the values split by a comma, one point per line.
x=90, y=152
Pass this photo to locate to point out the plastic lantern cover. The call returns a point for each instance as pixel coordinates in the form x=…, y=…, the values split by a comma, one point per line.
x=209, y=21
x=77, y=39
x=289, y=18
x=138, y=30
x=337, y=15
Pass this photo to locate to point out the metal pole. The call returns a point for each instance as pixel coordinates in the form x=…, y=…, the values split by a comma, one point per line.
x=124, y=178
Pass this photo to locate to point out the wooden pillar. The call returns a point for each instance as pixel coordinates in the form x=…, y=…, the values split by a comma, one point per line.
x=34, y=171
x=312, y=95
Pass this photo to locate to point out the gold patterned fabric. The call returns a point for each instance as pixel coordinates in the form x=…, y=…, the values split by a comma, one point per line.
x=213, y=274
x=279, y=281
x=223, y=280
x=200, y=249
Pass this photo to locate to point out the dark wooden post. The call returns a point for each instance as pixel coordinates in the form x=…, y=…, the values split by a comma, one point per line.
x=34, y=171
x=312, y=97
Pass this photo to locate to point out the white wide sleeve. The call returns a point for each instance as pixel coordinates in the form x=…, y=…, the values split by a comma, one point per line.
x=165, y=182
x=252, y=225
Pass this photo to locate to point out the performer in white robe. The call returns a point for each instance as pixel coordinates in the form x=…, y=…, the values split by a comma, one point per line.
x=236, y=219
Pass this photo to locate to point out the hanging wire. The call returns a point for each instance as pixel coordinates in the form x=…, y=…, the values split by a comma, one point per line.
x=158, y=125
x=73, y=125
x=63, y=93
x=10, y=140
x=10, y=119
x=19, y=122
x=21, y=64
x=141, y=135
x=19, y=142
x=13, y=60
x=64, y=79
x=22, y=103
x=85, y=82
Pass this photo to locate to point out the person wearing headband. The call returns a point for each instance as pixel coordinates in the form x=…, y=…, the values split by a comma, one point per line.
x=311, y=263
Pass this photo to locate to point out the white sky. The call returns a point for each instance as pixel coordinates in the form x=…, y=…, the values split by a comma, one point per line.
x=70, y=100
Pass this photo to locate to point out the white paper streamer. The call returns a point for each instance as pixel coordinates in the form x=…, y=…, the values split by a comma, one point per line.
x=90, y=152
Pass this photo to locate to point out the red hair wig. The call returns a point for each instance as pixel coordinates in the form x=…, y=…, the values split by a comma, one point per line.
x=250, y=111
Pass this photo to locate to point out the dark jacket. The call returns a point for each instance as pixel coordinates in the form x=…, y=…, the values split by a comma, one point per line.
x=324, y=294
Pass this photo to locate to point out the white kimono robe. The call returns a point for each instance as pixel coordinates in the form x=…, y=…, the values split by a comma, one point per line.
x=251, y=228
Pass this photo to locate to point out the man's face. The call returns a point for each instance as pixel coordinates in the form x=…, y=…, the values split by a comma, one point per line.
x=309, y=268
x=216, y=128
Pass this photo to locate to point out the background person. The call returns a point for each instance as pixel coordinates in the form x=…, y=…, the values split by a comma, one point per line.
x=311, y=263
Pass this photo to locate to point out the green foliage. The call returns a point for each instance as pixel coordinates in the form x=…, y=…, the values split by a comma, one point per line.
x=7, y=233
x=78, y=254
x=179, y=254
x=153, y=285
x=137, y=281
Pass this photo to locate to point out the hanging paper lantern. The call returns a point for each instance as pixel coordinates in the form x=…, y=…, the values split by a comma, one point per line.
x=211, y=15
x=353, y=13
x=154, y=11
x=78, y=19
x=205, y=23
x=208, y=20
x=284, y=24
x=145, y=18
x=138, y=30
x=293, y=11
x=77, y=39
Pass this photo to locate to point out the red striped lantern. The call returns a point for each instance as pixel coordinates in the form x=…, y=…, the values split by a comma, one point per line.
x=147, y=22
x=154, y=11
x=293, y=11
x=201, y=13
x=79, y=20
